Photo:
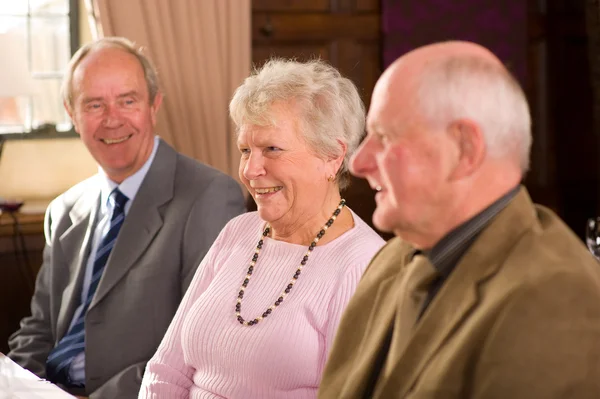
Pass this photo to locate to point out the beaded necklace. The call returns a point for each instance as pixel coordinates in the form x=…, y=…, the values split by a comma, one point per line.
x=286, y=291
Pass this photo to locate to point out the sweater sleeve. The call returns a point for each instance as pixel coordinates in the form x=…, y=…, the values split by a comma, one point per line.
x=167, y=375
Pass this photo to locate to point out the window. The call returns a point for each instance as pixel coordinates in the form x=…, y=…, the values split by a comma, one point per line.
x=37, y=38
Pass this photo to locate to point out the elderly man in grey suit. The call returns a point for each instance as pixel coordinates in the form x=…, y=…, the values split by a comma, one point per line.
x=122, y=246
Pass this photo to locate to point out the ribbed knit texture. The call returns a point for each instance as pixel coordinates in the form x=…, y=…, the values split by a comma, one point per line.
x=207, y=353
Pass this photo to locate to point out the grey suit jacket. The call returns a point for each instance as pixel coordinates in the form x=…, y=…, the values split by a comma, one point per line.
x=177, y=213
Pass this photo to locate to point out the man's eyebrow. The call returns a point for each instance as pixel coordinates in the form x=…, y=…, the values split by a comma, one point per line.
x=88, y=100
x=131, y=93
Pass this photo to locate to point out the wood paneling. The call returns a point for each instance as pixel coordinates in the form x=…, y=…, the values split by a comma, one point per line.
x=541, y=180
x=316, y=5
x=368, y=5
x=316, y=50
x=290, y=5
x=570, y=115
x=564, y=173
x=18, y=271
x=302, y=28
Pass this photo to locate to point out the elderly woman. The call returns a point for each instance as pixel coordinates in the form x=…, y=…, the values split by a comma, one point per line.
x=261, y=314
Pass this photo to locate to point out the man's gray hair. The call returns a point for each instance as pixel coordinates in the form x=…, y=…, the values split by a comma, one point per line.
x=150, y=74
x=467, y=87
x=331, y=108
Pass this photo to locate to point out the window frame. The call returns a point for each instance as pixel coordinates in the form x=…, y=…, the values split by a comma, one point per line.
x=50, y=131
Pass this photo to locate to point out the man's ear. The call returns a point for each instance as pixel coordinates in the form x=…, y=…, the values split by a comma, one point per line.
x=71, y=115
x=469, y=141
x=155, y=106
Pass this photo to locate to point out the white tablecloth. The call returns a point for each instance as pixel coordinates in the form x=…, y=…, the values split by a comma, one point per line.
x=18, y=383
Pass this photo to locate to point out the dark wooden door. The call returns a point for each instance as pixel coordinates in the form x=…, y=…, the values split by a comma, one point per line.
x=541, y=180
x=346, y=33
x=564, y=173
x=570, y=111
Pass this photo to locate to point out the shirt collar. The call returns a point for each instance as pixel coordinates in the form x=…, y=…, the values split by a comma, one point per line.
x=447, y=252
x=129, y=186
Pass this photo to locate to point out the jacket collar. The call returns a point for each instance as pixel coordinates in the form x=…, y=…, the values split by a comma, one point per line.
x=460, y=294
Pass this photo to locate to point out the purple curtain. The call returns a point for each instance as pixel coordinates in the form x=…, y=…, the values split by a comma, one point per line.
x=500, y=25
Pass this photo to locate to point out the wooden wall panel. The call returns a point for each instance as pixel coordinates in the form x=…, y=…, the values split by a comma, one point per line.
x=16, y=277
x=299, y=28
x=290, y=5
x=541, y=179
x=260, y=54
x=570, y=112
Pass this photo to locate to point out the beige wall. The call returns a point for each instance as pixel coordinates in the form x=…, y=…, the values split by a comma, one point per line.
x=37, y=170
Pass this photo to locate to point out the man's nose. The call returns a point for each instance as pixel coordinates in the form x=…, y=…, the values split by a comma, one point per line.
x=112, y=117
x=363, y=160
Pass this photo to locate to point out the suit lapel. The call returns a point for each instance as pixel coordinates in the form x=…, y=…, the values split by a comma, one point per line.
x=75, y=242
x=383, y=308
x=436, y=324
x=459, y=295
x=380, y=320
x=143, y=221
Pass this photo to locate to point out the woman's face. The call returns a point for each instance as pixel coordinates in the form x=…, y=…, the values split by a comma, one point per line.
x=285, y=178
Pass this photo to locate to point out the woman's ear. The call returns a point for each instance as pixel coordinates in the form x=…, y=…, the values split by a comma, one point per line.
x=337, y=161
x=469, y=140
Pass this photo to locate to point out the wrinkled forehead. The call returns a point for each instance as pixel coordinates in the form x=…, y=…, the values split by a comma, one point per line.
x=282, y=128
x=393, y=100
x=108, y=63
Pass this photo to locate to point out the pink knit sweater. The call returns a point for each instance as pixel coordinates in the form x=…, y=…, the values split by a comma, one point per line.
x=206, y=353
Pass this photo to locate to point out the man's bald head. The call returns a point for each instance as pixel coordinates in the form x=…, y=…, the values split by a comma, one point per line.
x=448, y=81
x=448, y=133
x=439, y=51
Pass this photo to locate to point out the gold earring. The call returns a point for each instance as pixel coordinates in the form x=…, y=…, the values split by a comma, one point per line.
x=330, y=178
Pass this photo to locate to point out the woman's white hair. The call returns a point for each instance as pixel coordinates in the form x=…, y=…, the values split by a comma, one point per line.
x=330, y=106
x=465, y=87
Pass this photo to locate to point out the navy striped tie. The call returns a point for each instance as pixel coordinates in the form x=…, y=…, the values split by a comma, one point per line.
x=73, y=343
